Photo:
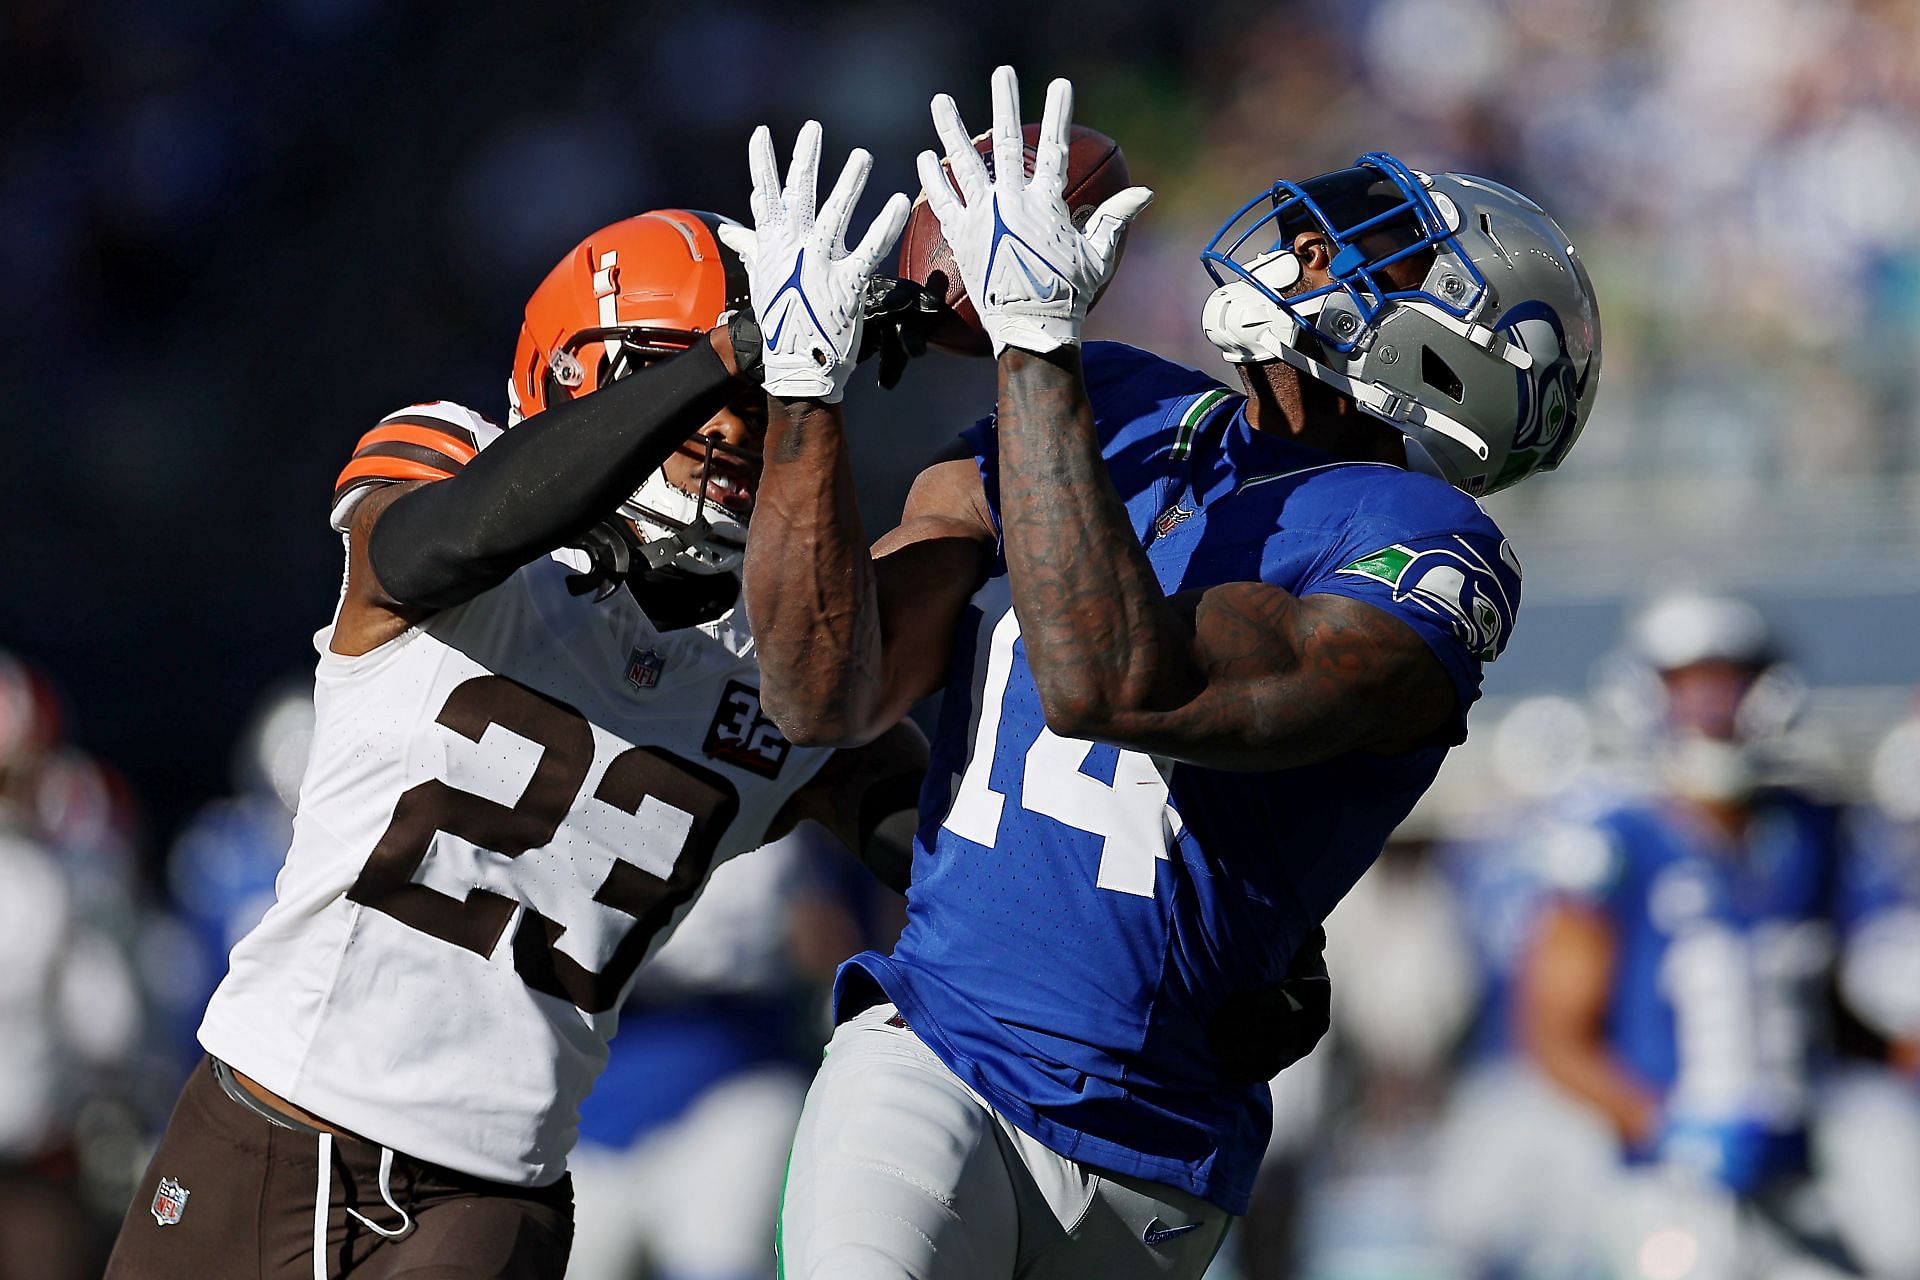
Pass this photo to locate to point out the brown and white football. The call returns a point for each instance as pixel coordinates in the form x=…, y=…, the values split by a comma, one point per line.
x=1096, y=169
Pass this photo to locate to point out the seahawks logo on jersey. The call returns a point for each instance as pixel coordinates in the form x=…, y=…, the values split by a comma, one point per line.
x=1453, y=582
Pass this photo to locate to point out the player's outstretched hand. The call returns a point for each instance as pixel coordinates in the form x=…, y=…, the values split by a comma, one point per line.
x=1030, y=272
x=808, y=288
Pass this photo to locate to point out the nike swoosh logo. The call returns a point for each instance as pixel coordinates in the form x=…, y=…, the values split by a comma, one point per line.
x=1047, y=290
x=1159, y=1233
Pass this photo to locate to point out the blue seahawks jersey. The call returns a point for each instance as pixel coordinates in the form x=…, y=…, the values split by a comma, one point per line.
x=220, y=874
x=1079, y=912
x=1723, y=950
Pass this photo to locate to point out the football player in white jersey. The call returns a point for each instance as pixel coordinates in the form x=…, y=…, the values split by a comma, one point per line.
x=538, y=728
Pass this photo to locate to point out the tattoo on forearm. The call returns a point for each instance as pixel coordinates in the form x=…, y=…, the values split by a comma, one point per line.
x=1097, y=627
x=1325, y=650
x=792, y=442
x=1114, y=656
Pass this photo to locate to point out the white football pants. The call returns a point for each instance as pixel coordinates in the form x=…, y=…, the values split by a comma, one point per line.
x=901, y=1172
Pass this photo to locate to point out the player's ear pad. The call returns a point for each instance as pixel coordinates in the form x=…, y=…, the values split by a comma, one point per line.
x=1261, y=1032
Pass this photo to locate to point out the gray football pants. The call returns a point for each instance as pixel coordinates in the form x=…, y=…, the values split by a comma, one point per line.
x=901, y=1172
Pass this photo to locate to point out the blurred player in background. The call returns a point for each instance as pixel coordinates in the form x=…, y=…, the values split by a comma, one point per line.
x=1679, y=982
x=1201, y=653
x=525, y=760
x=221, y=870
x=1881, y=977
x=70, y=1007
x=1518, y=1162
x=1338, y=1191
x=1867, y=1135
x=685, y=1138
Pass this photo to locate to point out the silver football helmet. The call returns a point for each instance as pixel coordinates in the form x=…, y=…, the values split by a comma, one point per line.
x=1488, y=367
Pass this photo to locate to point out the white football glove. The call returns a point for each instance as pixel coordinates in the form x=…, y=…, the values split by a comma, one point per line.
x=1030, y=272
x=807, y=288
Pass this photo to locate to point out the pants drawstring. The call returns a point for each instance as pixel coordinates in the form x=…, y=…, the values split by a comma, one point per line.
x=322, y=1194
x=406, y=1222
x=322, y=1200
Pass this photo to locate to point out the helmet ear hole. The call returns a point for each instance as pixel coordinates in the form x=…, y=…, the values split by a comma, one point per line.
x=1439, y=375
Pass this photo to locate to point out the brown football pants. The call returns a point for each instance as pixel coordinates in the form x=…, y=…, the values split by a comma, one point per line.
x=251, y=1203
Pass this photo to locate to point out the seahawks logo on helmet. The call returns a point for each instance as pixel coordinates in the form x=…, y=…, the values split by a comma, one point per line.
x=1452, y=582
x=1548, y=391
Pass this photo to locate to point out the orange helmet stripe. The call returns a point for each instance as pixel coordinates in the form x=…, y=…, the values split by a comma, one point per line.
x=456, y=449
x=394, y=469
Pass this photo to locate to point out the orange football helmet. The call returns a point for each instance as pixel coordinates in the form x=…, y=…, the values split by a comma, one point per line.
x=642, y=288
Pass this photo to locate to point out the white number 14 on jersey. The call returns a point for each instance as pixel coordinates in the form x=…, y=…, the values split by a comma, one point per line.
x=1131, y=816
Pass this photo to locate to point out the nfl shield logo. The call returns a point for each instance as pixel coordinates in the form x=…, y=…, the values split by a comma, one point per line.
x=169, y=1202
x=1169, y=519
x=643, y=669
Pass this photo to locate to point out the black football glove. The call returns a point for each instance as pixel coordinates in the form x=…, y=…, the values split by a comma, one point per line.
x=1259, y=1033
x=749, y=349
x=899, y=315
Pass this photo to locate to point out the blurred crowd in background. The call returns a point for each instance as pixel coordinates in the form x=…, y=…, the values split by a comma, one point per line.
x=234, y=234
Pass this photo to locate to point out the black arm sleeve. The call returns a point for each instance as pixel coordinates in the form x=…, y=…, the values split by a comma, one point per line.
x=544, y=483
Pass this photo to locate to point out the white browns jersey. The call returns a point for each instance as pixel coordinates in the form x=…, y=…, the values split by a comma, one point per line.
x=506, y=810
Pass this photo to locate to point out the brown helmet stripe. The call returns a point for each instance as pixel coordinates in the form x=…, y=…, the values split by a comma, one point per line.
x=432, y=423
x=427, y=437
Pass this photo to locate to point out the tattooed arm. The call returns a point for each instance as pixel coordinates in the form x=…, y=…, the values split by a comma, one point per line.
x=1239, y=676
x=849, y=639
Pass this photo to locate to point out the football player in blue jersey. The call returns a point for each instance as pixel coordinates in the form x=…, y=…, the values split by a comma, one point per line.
x=1201, y=651
x=1678, y=984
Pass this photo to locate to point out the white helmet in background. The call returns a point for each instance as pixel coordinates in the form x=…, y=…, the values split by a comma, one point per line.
x=1893, y=774
x=270, y=758
x=1488, y=367
x=1721, y=739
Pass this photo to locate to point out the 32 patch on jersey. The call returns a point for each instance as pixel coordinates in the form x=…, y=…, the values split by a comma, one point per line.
x=1452, y=581
x=741, y=734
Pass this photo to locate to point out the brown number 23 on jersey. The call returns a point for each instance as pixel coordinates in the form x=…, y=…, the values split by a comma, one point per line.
x=476, y=922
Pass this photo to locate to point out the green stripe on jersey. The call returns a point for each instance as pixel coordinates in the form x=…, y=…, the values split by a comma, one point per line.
x=1190, y=420
x=1385, y=565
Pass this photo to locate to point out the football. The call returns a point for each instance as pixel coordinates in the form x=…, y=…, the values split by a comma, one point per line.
x=1096, y=169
